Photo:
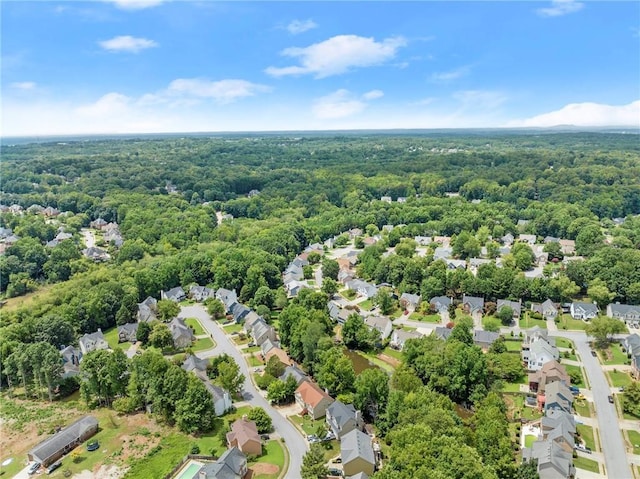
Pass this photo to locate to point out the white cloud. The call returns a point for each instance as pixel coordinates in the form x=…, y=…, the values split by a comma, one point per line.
x=443, y=77
x=479, y=99
x=222, y=91
x=342, y=103
x=135, y=4
x=301, y=26
x=586, y=114
x=373, y=95
x=559, y=8
x=338, y=55
x=109, y=104
x=127, y=43
x=24, y=85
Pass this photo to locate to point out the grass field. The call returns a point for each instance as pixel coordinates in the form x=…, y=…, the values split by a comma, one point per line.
x=254, y=361
x=613, y=355
x=564, y=343
x=570, y=368
x=513, y=346
x=582, y=408
x=232, y=328
x=348, y=294
x=515, y=403
x=634, y=440
x=202, y=344
x=586, y=433
x=111, y=337
x=526, y=322
x=428, y=318
x=273, y=454
x=367, y=305
x=394, y=353
x=194, y=324
x=567, y=322
x=586, y=464
x=619, y=378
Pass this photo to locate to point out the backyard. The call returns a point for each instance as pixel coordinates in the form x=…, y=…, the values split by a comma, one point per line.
x=111, y=337
x=619, y=378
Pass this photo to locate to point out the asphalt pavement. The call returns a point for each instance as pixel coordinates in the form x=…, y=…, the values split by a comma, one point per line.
x=295, y=443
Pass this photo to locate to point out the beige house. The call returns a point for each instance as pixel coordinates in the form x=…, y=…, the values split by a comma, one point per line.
x=312, y=399
x=357, y=453
x=244, y=435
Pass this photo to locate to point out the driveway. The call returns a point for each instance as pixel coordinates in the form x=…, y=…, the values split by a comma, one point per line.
x=293, y=440
x=613, y=449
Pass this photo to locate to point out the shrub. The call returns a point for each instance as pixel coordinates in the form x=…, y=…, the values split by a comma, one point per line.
x=195, y=449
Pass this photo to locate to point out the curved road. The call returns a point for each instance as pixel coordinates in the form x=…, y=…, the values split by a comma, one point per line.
x=293, y=440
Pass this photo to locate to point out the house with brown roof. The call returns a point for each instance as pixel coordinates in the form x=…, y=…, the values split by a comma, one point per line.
x=312, y=399
x=282, y=356
x=551, y=371
x=244, y=435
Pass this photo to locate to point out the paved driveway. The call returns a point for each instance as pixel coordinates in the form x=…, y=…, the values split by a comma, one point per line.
x=293, y=440
x=615, y=456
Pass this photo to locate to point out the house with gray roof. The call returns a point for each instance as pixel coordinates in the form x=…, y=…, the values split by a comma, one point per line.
x=530, y=239
x=562, y=436
x=294, y=371
x=71, y=358
x=631, y=344
x=200, y=293
x=473, y=305
x=267, y=346
x=176, y=294
x=239, y=311
x=558, y=396
x=232, y=464
x=262, y=332
x=250, y=320
x=92, y=341
x=440, y=303
x=516, y=307
x=553, y=461
x=357, y=453
x=362, y=288
x=128, y=333
x=360, y=475
x=181, y=333
x=221, y=397
x=194, y=363
x=624, y=312
x=382, y=324
x=507, y=239
x=62, y=442
x=147, y=310
x=410, y=301
x=484, y=339
x=400, y=336
x=94, y=253
x=555, y=418
x=442, y=253
x=539, y=353
x=342, y=418
x=584, y=311
x=228, y=298
x=548, y=309
x=442, y=333
x=531, y=335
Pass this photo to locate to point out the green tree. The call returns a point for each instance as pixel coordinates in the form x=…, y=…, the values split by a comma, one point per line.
x=261, y=418
x=335, y=372
x=230, y=377
x=599, y=293
x=160, y=336
x=143, y=332
x=505, y=315
x=274, y=367
x=384, y=301
x=631, y=399
x=371, y=392
x=194, y=412
x=528, y=470
x=602, y=328
x=330, y=269
x=329, y=287
x=215, y=308
x=264, y=296
x=313, y=463
x=491, y=324
x=167, y=310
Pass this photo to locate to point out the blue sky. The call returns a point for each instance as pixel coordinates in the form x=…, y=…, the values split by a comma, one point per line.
x=130, y=66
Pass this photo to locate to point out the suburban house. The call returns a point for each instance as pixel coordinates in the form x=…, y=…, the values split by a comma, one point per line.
x=442, y=240
x=456, y=263
x=293, y=287
x=472, y=305
x=231, y=465
x=357, y=453
x=423, y=240
x=312, y=399
x=382, y=324
x=516, y=307
x=400, y=336
x=409, y=301
x=92, y=341
x=98, y=224
x=181, y=333
x=339, y=314
x=533, y=334
x=475, y=263
x=568, y=247
x=624, y=312
x=562, y=436
x=174, y=294
x=193, y=363
x=200, y=293
x=239, y=312
x=94, y=253
x=484, y=339
x=539, y=353
x=228, y=298
x=267, y=346
x=279, y=353
x=362, y=288
x=62, y=442
x=244, y=435
x=442, y=253
x=530, y=239
x=555, y=418
x=147, y=310
x=553, y=461
x=127, y=332
x=548, y=309
x=584, y=311
x=631, y=345
x=250, y=319
x=557, y=396
x=442, y=333
x=343, y=418
x=507, y=239
x=294, y=371
x=549, y=372
x=261, y=331
x=440, y=303
x=221, y=397
x=71, y=358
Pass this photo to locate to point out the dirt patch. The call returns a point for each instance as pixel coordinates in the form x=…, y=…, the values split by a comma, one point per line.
x=263, y=468
x=389, y=360
x=103, y=472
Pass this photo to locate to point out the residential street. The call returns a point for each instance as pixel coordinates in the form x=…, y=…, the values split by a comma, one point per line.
x=293, y=440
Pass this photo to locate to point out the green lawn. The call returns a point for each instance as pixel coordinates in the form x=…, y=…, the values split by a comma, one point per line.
x=586, y=464
x=529, y=440
x=568, y=356
x=348, y=294
x=586, y=433
x=582, y=408
x=378, y=362
x=428, y=318
x=254, y=361
x=394, y=353
x=515, y=403
x=111, y=336
x=202, y=344
x=513, y=345
x=634, y=440
x=232, y=328
x=526, y=322
x=564, y=343
x=613, y=355
x=570, y=368
x=241, y=339
x=619, y=378
x=194, y=324
x=252, y=349
x=367, y=305
x=308, y=425
x=273, y=454
x=567, y=322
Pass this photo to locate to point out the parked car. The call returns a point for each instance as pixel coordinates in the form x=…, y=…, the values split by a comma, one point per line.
x=54, y=466
x=265, y=437
x=33, y=468
x=593, y=353
x=93, y=446
x=335, y=472
x=611, y=399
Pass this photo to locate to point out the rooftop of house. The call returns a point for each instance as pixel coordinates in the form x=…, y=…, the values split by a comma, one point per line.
x=356, y=444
